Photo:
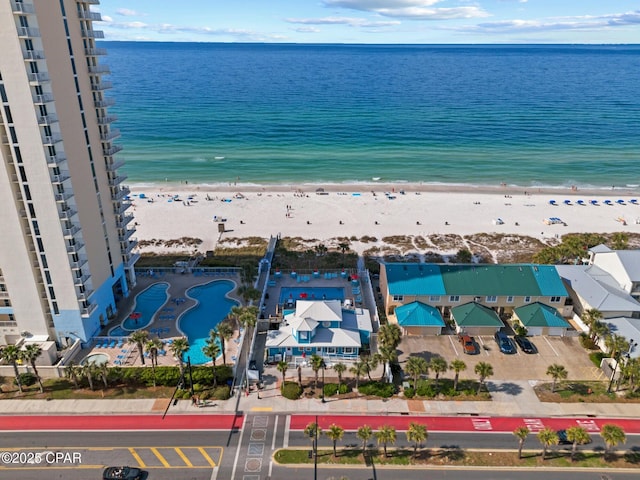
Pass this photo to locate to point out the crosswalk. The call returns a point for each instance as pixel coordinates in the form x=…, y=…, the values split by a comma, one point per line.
x=176, y=457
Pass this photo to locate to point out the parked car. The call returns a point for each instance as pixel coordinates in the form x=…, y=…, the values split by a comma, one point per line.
x=504, y=343
x=122, y=473
x=468, y=344
x=525, y=344
x=562, y=438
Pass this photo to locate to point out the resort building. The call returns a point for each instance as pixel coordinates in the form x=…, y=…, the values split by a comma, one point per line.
x=323, y=327
x=622, y=265
x=66, y=244
x=475, y=297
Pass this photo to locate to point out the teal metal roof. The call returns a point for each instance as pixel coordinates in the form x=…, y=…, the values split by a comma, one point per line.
x=474, y=279
x=418, y=314
x=540, y=315
x=475, y=315
x=414, y=279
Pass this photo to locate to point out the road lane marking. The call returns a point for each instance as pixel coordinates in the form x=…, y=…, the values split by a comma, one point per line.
x=287, y=430
x=235, y=461
x=160, y=457
x=275, y=431
x=183, y=457
x=135, y=455
x=206, y=456
x=262, y=409
x=453, y=345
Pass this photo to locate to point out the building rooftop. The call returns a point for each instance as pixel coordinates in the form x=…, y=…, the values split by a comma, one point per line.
x=540, y=315
x=475, y=315
x=418, y=314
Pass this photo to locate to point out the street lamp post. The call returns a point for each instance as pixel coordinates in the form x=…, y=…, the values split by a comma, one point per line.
x=324, y=366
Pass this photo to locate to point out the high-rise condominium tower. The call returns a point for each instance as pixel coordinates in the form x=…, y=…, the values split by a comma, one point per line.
x=65, y=237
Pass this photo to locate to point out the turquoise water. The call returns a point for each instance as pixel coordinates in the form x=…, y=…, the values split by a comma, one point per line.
x=148, y=302
x=213, y=306
x=532, y=115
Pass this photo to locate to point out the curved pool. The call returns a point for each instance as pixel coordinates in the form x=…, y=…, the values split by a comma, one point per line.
x=95, y=359
x=148, y=302
x=213, y=306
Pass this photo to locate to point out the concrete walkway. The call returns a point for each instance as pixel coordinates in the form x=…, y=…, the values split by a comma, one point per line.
x=509, y=399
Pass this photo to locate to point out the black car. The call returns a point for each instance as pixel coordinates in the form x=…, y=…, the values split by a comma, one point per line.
x=122, y=473
x=525, y=344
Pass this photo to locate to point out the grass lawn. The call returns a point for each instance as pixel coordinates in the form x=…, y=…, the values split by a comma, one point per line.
x=582, y=392
x=62, y=389
x=457, y=457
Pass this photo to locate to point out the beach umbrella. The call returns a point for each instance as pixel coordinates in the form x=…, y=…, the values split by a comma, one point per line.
x=135, y=316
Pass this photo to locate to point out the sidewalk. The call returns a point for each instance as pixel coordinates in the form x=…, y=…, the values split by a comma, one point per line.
x=510, y=399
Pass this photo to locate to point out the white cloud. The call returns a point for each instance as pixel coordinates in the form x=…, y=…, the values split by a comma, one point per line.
x=307, y=30
x=107, y=19
x=125, y=12
x=409, y=9
x=353, y=22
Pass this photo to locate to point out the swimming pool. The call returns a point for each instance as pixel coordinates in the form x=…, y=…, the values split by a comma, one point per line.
x=148, y=302
x=213, y=306
x=95, y=359
x=311, y=293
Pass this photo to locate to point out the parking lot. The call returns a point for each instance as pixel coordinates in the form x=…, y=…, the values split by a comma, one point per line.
x=519, y=366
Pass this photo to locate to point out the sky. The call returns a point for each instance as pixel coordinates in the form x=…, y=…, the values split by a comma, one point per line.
x=373, y=21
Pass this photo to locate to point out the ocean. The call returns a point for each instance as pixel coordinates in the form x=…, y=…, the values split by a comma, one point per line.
x=529, y=116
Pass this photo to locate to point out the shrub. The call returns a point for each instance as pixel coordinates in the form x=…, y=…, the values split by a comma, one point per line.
x=330, y=389
x=425, y=389
x=586, y=342
x=409, y=392
x=291, y=390
x=378, y=389
x=222, y=393
x=344, y=388
x=26, y=379
x=596, y=358
x=206, y=395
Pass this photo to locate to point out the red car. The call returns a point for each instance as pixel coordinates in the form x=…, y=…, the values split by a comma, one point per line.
x=468, y=344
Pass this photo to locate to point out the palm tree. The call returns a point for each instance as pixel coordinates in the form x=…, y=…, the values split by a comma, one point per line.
x=300, y=375
x=30, y=354
x=213, y=334
x=483, y=370
x=73, y=371
x=631, y=372
x=590, y=316
x=390, y=335
x=152, y=347
x=557, y=372
x=313, y=431
x=212, y=350
x=578, y=436
x=417, y=433
x=358, y=370
x=236, y=312
x=385, y=435
x=282, y=367
x=415, y=367
x=89, y=370
x=102, y=370
x=364, y=433
x=344, y=248
x=547, y=437
x=248, y=293
x=385, y=356
x=522, y=433
x=613, y=435
x=179, y=347
x=139, y=337
x=334, y=433
x=11, y=354
x=317, y=363
x=616, y=345
x=369, y=363
x=598, y=330
x=438, y=365
x=457, y=366
x=340, y=368
x=226, y=333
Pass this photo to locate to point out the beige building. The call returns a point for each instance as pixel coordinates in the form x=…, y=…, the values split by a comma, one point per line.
x=66, y=246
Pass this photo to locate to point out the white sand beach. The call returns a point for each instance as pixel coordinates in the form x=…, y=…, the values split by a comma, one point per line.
x=170, y=212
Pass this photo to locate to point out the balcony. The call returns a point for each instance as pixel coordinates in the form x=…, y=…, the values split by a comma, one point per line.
x=117, y=180
x=74, y=247
x=67, y=214
x=114, y=133
x=90, y=2
x=112, y=150
x=60, y=178
x=47, y=119
x=102, y=85
x=4, y=140
x=95, y=52
x=19, y=7
x=120, y=193
x=79, y=264
x=128, y=248
x=28, y=32
x=82, y=279
x=125, y=220
x=119, y=210
x=104, y=103
x=107, y=119
x=33, y=54
x=92, y=33
x=71, y=231
x=88, y=310
x=40, y=77
x=52, y=140
x=63, y=197
x=87, y=15
x=99, y=69
x=114, y=166
x=4, y=294
x=56, y=160
x=84, y=295
x=131, y=259
x=124, y=234
x=42, y=99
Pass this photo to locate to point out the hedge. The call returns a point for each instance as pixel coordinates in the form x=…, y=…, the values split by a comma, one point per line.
x=378, y=389
x=291, y=390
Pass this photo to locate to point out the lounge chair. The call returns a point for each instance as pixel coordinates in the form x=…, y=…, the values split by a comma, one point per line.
x=567, y=202
x=580, y=202
x=112, y=344
x=633, y=201
x=593, y=202
x=620, y=202
x=608, y=202
x=553, y=202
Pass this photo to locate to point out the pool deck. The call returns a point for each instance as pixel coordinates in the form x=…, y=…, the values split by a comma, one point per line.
x=178, y=285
